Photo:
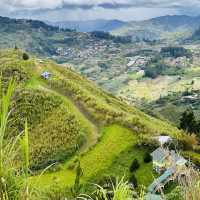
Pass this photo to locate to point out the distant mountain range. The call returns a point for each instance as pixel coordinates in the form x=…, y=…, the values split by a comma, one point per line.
x=166, y=27
x=91, y=25
x=170, y=27
x=44, y=39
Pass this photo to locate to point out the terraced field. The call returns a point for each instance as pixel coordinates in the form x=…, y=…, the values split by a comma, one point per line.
x=152, y=89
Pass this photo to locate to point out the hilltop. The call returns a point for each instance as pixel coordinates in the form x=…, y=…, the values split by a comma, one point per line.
x=69, y=115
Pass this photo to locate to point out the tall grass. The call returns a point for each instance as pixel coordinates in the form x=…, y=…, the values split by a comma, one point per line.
x=25, y=153
x=121, y=190
x=190, y=184
x=12, y=184
x=8, y=185
x=13, y=181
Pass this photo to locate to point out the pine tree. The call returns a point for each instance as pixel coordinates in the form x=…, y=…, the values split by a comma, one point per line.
x=188, y=122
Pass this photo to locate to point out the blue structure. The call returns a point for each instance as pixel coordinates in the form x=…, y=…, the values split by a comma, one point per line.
x=168, y=173
x=150, y=196
x=46, y=75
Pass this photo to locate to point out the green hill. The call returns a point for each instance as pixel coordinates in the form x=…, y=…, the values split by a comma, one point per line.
x=69, y=115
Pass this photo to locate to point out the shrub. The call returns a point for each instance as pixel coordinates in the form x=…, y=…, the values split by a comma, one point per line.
x=188, y=141
x=147, y=157
x=55, y=192
x=133, y=180
x=148, y=143
x=134, y=166
x=107, y=182
x=25, y=56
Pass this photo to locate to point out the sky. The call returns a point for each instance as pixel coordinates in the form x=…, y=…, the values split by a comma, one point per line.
x=68, y=10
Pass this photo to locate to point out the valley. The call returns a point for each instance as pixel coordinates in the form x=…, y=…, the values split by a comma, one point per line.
x=96, y=102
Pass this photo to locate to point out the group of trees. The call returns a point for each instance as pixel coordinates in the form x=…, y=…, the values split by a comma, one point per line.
x=189, y=123
x=108, y=36
x=175, y=52
x=157, y=66
x=155, y=69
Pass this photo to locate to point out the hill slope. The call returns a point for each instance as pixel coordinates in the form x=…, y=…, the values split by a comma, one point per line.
x=67, y=114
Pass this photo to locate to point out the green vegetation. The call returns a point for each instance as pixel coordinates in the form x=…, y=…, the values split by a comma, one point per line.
x=71, y=120
x=189, y=123
x=108, y=36
x=134, y=166
x=175, y=52
x=25, y=56
x=157, y=67
x=147, y=157
x=83, y=133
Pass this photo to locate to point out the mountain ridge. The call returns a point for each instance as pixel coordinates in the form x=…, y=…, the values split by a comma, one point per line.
x=89, y=25
x=159, y=27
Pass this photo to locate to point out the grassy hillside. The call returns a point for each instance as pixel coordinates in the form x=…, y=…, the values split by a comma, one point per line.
x=69, y=116
x=105, y=159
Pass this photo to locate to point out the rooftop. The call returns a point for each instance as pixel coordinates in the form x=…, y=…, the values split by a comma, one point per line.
x=159, y=154
x=163, y=139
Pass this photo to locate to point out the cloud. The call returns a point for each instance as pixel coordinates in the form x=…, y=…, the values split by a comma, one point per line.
x=89, y=9
x=88, y=4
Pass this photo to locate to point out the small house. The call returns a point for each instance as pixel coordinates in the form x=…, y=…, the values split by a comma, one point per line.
x=159, y=157
x=164, y=159
x=46, y=75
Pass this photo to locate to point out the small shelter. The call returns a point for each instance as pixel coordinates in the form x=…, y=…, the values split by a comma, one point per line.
x=164, y=159
x=46, y=75
x=163, y=139
x=159, y=157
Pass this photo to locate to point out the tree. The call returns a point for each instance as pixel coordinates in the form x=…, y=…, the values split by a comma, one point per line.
x=133, y=180
x=25, y=56
x=134, y=166
x=188, y=122
x=147, y=157
x=16, y=47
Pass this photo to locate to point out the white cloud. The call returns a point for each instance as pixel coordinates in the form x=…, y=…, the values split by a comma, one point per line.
x=90, y=9
x=52, y=4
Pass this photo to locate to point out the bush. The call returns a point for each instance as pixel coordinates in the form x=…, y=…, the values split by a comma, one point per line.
x=133, y=180
x=147, y=157
x=188, y=142
x=25, y=56
x=134, y=166
x=147, y=143
x=175, y=52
